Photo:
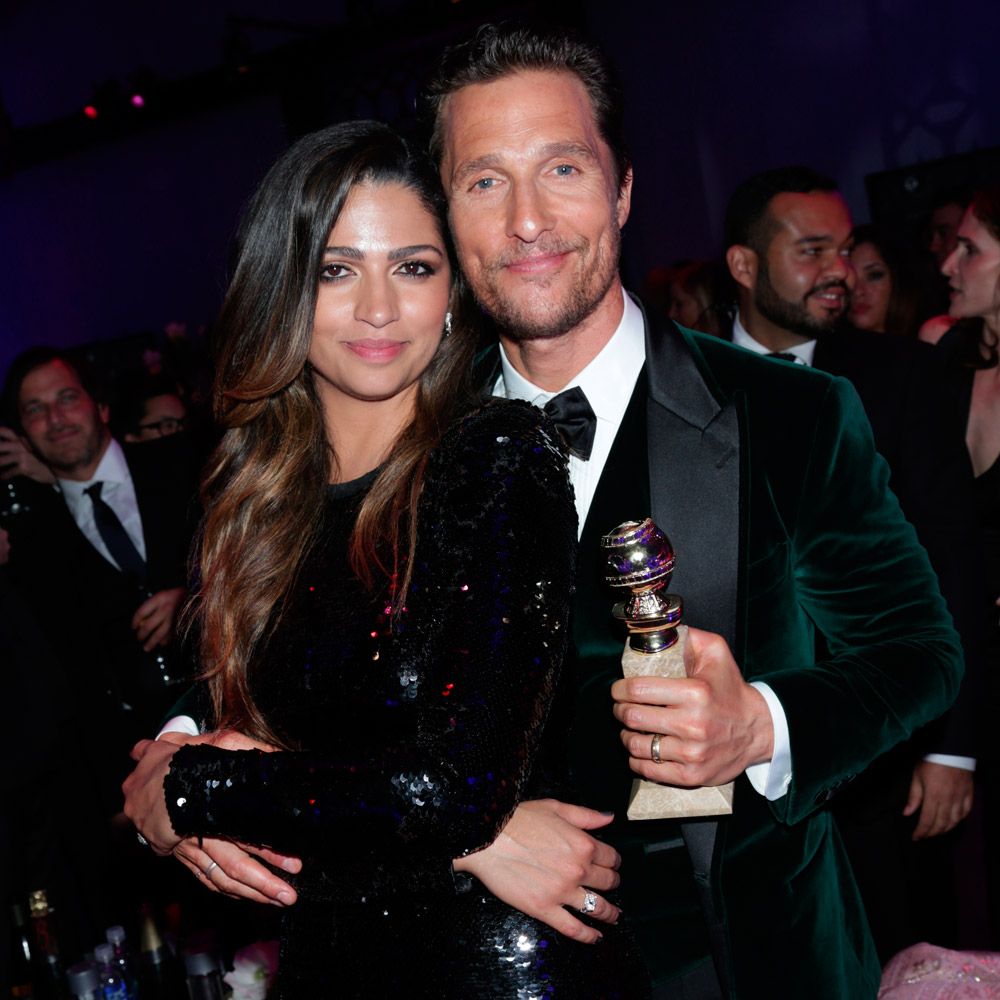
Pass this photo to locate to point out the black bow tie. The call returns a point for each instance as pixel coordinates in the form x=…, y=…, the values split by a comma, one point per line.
x=784, y=355
x=575, y=420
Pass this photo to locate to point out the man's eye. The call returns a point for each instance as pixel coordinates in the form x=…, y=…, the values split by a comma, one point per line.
x=565, y=169
x=485, y=183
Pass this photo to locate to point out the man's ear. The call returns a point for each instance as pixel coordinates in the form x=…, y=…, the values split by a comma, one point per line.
x=104, y=413
x=743, y=263
x=624, y=204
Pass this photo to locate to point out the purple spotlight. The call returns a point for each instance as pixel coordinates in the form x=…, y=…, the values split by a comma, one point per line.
x=138, y=101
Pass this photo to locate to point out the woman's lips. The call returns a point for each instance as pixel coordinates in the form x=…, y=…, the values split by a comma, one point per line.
x=375, y=349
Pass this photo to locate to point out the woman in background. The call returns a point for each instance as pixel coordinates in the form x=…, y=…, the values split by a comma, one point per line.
x=701, y=298
x=973, y=272
x=889, y=295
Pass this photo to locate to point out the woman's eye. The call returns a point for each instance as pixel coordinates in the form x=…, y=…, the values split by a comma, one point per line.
x=331, y=272
x=415, y=269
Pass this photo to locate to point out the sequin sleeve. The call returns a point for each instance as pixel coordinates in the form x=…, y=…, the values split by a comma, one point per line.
x=477, y=652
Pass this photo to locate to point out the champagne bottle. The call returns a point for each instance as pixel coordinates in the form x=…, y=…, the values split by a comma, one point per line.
x=160, y=977
x=50, y=975
x=22, y=965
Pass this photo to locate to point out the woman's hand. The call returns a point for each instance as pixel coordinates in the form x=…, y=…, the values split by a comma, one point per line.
x=544, y=861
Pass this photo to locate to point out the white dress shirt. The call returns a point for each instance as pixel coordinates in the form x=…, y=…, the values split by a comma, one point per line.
x=804, y=354
x=608, y=382
x=118, y=492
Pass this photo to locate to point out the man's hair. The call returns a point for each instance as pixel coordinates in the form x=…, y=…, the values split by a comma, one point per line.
x=34, y=357
x=499, y=50
x=749, y=222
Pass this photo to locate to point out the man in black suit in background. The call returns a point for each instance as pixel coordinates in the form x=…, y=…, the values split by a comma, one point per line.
x=101, y=557
x=788, y=233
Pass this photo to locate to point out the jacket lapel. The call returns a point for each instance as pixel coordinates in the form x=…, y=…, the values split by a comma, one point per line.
x=695, y=476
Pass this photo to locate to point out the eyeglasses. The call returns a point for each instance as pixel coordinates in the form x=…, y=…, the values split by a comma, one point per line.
x=168, y=425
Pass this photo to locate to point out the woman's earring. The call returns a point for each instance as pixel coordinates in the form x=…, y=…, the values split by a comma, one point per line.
x=447, y=324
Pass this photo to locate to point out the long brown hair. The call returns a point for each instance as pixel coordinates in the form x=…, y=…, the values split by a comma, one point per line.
x=264, y=488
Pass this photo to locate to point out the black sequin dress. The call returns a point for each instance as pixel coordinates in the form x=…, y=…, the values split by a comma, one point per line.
x=417, y=743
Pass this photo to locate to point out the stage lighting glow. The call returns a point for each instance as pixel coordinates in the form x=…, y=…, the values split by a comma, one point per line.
x=138, y=101
x=90, y=111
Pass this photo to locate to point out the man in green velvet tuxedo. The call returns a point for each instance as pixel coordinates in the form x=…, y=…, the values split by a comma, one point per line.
x=767, y=481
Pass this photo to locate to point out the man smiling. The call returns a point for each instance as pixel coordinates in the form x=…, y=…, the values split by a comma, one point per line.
x=527, y=132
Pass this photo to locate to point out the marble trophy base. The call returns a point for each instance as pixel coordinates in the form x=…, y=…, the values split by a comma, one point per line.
x=650, y=799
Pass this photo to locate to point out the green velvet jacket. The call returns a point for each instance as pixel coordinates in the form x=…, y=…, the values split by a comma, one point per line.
x=766, y=479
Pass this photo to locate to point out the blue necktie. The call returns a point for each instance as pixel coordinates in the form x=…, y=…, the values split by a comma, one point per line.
x=115, y=537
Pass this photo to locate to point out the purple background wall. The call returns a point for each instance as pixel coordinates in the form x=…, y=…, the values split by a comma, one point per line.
x=133, y=234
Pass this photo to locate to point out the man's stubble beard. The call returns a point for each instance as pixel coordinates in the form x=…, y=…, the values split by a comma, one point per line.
x=581, y=301
x=793, y=316
x=85, y=454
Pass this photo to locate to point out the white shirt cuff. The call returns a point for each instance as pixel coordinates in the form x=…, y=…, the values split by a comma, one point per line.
x=952, y=760
x=771, y=778
x=180, y=724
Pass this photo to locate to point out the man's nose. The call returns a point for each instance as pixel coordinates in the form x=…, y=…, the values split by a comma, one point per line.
x=530, y=212
x=840, y=268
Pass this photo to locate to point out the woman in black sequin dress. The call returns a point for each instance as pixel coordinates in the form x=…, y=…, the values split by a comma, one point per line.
x=386, y=572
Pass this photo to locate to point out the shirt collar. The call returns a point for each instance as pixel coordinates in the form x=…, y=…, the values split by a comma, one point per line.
x=803, y=352
x=607, y=381
x=112, y=469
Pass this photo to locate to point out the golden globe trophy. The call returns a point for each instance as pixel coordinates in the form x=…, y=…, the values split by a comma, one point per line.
x=640, y=557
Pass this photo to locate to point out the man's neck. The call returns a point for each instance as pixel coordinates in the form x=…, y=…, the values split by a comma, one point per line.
x=773, y=337
x=552, y=363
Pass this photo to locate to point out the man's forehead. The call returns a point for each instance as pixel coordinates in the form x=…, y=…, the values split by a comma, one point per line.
x=53, y=376
x=514, y=111
x=811, y=214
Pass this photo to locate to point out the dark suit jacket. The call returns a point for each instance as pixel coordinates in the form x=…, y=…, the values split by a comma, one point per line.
x=766, y=479
x=84, y=605
x=915, y=408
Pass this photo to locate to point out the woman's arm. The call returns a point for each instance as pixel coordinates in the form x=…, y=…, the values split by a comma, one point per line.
x=482, y=640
